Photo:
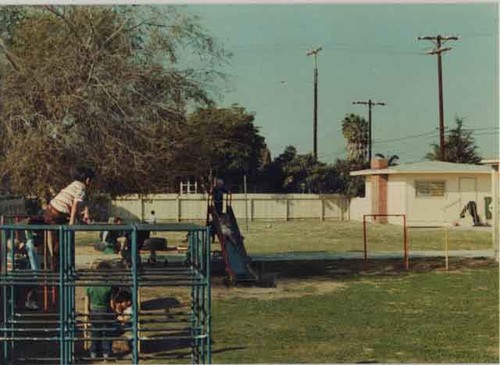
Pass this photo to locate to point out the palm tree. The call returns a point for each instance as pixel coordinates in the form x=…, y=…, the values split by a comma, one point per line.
x=355, y=131
x=392, y=160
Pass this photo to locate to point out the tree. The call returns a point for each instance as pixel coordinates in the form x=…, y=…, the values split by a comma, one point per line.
x=101, y=86
x=291, y=172
x=459, y=146
x=355, y=131
x=350, y=186
x=392, y=160
x=228, y=141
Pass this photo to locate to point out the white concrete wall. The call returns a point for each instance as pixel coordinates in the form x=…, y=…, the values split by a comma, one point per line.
x=174, y=207
x=423, y=211
x=396, y=197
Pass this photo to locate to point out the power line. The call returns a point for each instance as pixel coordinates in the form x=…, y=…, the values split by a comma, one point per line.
x=428, y=134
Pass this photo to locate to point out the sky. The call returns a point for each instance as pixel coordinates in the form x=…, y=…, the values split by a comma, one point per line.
x=370, y=51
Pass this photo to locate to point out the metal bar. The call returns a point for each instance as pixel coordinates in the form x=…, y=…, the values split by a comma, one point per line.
x=209, y=296
x=61, y=299
x=135, y=289
x=365, y=247
x=3, y=268
x=405, y=243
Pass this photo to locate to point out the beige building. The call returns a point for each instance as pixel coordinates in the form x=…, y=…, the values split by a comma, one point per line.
x=430, y=193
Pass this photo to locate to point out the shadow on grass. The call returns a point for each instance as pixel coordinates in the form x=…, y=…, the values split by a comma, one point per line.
x=345, y=268
x=160, y=303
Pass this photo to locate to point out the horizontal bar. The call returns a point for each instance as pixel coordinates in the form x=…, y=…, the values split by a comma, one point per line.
x=55, y=329
x=142, y=338
x=110, y=283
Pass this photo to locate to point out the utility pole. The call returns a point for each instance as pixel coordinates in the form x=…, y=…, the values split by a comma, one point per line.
x=314, y=52
x=438, y=41
x=370, y=103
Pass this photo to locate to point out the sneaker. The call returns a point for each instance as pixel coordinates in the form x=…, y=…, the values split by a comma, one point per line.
x=93, y=355
x=105, y=356
x=31, y=305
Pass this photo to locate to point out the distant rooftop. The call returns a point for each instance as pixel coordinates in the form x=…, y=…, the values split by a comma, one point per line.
x=427, y=167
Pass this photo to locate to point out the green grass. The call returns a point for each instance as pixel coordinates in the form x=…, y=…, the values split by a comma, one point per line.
x=335, y=236
x=428, y=317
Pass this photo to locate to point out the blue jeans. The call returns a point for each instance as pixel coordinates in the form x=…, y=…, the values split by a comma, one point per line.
x=32, y=254
x=100, y=331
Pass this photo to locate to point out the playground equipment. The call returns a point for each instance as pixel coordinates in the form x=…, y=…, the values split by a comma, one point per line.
x=471, y=207
x=58, y=334
x=225, y=227
x=405, y=236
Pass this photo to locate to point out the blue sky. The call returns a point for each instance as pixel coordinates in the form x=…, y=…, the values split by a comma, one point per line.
x=369, y=52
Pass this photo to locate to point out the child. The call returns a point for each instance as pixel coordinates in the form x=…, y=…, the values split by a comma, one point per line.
x=112, y=241
x=123, y=309
x=64, y=207
x=100, y=302
x=218, y=192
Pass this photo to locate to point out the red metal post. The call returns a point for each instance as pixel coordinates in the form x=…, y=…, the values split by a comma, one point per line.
x=364, y=238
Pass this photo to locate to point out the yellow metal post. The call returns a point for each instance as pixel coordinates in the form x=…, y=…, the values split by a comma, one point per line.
x=446, y=247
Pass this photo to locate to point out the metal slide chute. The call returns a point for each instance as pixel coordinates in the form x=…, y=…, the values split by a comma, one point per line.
x=236, y=259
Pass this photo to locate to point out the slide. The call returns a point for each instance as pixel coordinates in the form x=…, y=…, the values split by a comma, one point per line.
x=233, y=249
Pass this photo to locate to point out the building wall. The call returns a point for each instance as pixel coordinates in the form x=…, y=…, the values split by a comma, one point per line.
x=423, y=211
x=396, y=197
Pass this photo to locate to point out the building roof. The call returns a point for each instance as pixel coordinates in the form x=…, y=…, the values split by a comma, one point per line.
x=428, y=167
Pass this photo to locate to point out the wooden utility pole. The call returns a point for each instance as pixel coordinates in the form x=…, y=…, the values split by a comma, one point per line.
x=438, y=41
x=370, y=103
x=314, y=52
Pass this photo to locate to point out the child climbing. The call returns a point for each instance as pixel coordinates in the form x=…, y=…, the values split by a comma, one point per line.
x=100, y=303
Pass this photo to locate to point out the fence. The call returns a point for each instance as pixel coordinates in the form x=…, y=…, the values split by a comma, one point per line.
x=189, y=207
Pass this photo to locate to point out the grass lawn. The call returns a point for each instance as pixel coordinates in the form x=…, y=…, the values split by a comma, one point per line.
x=335, y=236
x=426, y=317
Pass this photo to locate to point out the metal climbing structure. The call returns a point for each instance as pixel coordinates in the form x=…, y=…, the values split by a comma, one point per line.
x=59, y=333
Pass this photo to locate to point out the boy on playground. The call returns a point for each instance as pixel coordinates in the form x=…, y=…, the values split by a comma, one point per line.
x=123, y=310
x=100, y=303
x=65, y=206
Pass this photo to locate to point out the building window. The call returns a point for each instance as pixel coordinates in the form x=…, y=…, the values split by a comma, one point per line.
x=429, y=189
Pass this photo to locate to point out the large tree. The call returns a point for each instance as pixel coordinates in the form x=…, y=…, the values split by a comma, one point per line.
x=459, y=146
x=228, y=141
x=101, y=86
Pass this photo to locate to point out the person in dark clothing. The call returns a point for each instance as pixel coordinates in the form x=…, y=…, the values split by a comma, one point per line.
x=218, y=192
